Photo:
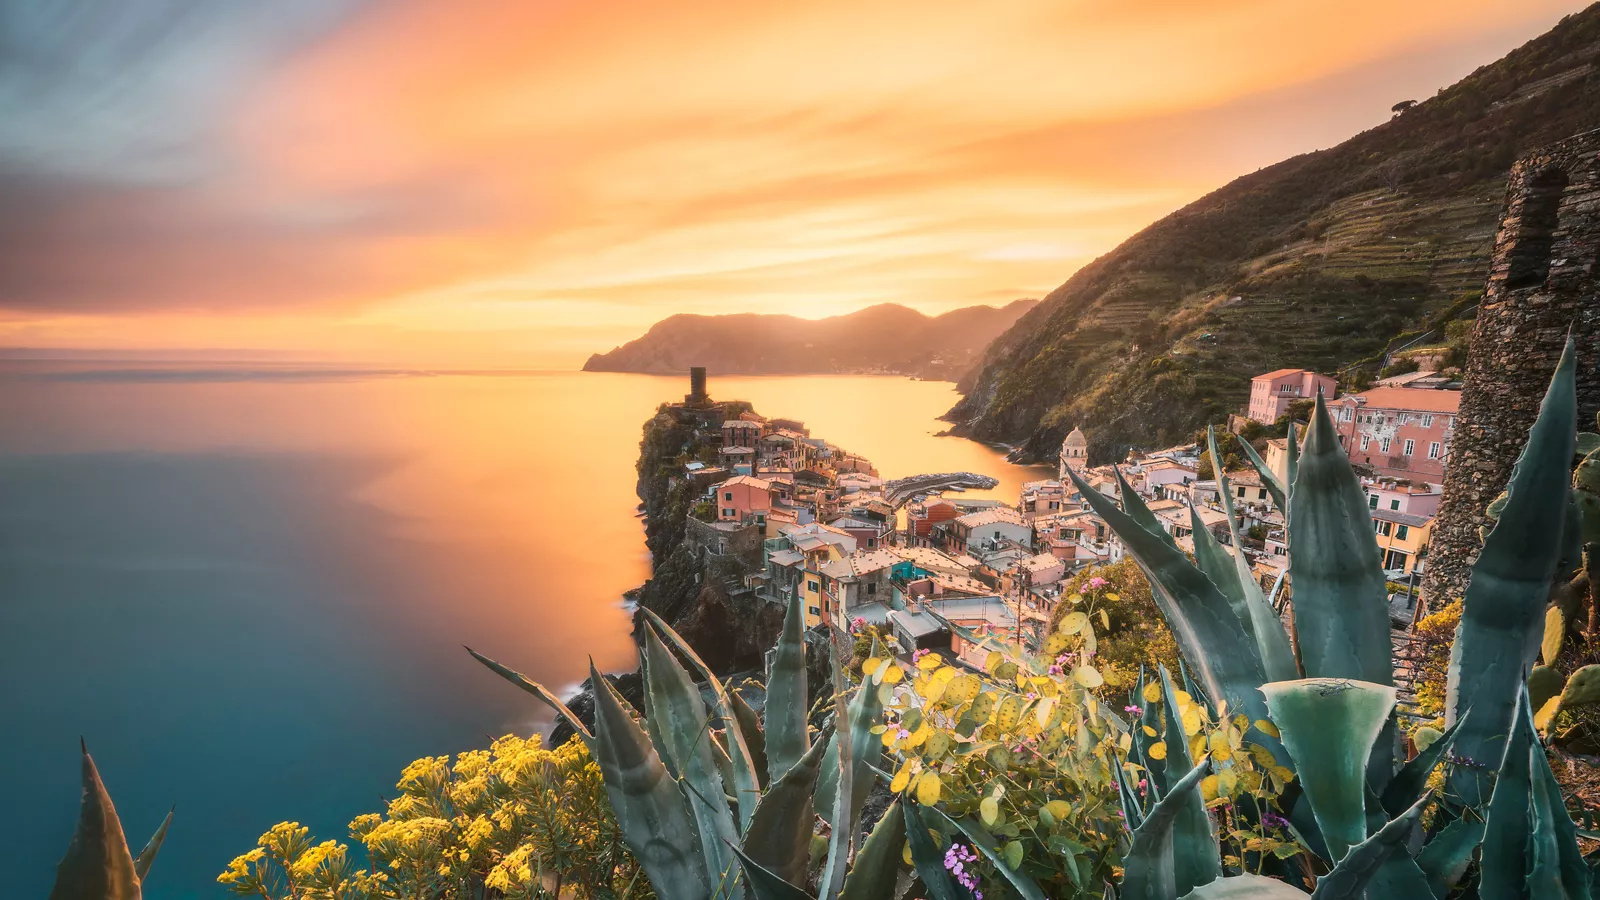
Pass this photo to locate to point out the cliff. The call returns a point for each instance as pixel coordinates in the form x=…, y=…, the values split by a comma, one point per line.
x=1325, y=261
x=884, y=339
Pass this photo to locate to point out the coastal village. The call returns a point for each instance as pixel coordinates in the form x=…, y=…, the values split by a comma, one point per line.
x=921, y=561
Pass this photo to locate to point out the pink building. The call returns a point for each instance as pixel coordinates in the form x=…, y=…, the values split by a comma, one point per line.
x=1271, y=394
x=1398, y=432
x=743, y=496
x=741, y=433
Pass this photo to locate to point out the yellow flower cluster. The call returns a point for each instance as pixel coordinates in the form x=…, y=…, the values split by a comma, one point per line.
x=518, y=818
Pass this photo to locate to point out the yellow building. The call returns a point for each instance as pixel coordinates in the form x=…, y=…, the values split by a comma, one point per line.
x=1401, y=538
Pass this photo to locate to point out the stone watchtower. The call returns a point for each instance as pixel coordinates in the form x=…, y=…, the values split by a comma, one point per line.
x=1544, y=278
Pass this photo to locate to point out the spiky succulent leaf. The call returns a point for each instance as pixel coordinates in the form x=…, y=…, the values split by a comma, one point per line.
x=1341, y=602
x=842, y=834
x=1195, y=858
x=877, y=864
x=1272, y=641
x=1217, y=564
x=926, y=859
x=1503, y=610
x=1246, y=887
x=147, y=856
x=680, y=723
x=97, y=864
x=779, y=837
x=765, y=884
x=650, y=809
x=986, y=844
x=1329, y=726
x=785, y=716
x=1509, y=823
x=1269, y=478
x=1445, y=858
x=1136, y=509
x=750, y=729
x=746, y=779
x=1411, y=780
x=1149, y=869
x=538, y=690
x=1555, y=833
x=1349, y=878
x=1209, y=634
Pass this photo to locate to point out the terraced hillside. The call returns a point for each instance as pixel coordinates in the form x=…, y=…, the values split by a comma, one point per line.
x=1324, y=260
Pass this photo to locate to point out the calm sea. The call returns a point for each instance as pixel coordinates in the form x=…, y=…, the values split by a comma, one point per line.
x=247, y=587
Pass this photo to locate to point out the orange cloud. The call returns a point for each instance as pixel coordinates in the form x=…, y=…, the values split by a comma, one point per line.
x=520, y=182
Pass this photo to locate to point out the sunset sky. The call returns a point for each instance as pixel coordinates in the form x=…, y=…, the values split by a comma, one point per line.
x=512, y=182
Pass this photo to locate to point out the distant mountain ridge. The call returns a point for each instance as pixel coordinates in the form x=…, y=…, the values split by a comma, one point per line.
x=885, y=339
x=1326, y=261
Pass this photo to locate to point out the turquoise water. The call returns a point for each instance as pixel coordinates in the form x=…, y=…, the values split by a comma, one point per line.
x=247, y=588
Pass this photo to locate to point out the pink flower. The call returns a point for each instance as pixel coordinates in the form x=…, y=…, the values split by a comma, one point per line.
x=1097, y=582
x=1055, y=670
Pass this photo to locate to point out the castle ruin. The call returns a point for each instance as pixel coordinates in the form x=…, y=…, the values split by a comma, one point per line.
x=1544, y=278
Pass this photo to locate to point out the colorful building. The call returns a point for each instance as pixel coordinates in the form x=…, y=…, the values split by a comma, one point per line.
x=1399, y=432
x=1271, y=394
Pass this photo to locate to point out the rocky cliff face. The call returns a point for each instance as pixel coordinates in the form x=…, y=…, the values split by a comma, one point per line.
x=1324, y=261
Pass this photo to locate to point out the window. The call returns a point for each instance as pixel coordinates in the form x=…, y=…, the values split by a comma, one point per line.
x=730, y=513
x=872, y=587
x=1400, y=532
x=813, y=587
x=1433, y=450
x=1539, y=217
x=872, y=542
x=728, y=496
x=1394, y=505
x=1410, y=446
x=1384, y=447
x=1240, y=492
x=1365, y=439
x=1261, y=493
x=815, y=611
x=1384, y=528
x=1427, y=421
x=1372, y=501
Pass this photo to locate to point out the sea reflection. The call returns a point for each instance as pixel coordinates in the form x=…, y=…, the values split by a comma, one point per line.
x=248, y=588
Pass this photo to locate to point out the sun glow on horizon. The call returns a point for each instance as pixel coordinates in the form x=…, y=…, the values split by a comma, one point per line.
x=530, y=183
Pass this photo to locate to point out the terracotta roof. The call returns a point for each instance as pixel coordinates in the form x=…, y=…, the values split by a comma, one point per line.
x=1282, y=373
x=746, y=479
x=1418, y=400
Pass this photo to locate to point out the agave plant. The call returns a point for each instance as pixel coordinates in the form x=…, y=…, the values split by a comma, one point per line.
x=98, y=864
x=1328, y=710
x=700, y=815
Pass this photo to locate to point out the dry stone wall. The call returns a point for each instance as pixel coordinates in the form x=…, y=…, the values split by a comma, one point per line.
x=1544, y=279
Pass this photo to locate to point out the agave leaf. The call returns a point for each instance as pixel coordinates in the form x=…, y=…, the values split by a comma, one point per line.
x=985, y=842
x=927, y=860
x=1210, y=635
x=1555, y=831
x=147, y=856
x=746, y=781
x=1412, y=780
x=651, y=811
x=764, y=883
x=1269, y=478
x=1272, y=641
x=679, y=720
x=1292, y=467
x=1504, y=604
x=1136, y=509
x=1149, y=869
x=1506, y=831
x=1195, y=857
x=1217, y=564
x=1329, y=726
x=1246, y=887
x=1445, y=858
x=1341, y=603
x=538, y=690
x=842, y=834
x=785, y=717
x=750, y=729
x=97, y=865
x=877, y=865
x=1348, y=879
x=779, y=837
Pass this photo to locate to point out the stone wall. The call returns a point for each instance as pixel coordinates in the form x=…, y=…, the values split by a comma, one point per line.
x=1544, y=279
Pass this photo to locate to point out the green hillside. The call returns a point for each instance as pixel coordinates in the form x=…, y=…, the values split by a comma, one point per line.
x=1323, y=261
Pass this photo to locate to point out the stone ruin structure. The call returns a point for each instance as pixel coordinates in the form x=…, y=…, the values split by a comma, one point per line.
x=1544, y=278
